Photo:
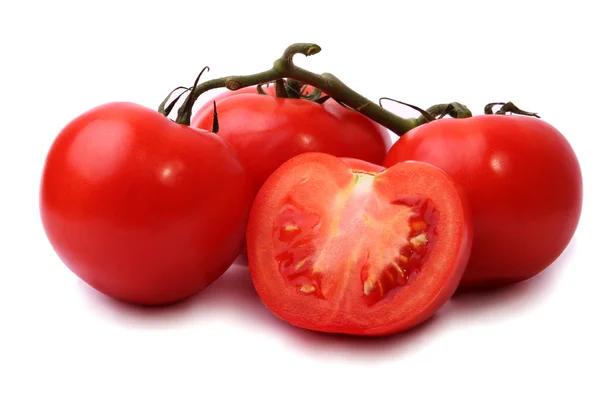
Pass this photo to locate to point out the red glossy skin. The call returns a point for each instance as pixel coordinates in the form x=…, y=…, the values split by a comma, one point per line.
x=267, y=131
x=141, y=208
x=326, y=243
x=523, y=182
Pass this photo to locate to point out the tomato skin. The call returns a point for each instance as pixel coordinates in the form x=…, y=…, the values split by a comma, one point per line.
x=143, y=209
x=524, y=184
x=362, y=165
x=345, y=312
x=267, y=131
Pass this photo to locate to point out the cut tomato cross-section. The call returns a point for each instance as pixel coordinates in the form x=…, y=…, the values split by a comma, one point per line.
x=357, y=251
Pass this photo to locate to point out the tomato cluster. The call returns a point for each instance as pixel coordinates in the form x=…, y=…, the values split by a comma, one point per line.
x=344, y=232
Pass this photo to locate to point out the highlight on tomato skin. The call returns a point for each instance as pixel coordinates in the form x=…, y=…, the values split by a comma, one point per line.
x=336, y=249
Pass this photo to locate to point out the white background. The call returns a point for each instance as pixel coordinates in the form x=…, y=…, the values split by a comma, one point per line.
x=61, y=338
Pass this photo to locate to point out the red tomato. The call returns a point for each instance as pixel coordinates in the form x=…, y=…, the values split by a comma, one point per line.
x=523, y=182
x=266, y=130
x=333, y=249
x=362, y=165
x=141, y=208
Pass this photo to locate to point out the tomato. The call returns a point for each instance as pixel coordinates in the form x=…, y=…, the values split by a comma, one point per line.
x=362, y=165
x=266, y=130
x=143, y=209
x=524, y=184
x=339, y=250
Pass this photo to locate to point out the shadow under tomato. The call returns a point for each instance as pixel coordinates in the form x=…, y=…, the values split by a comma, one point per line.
x=326, y=345
x=232, y=293
x=242, y=260
x=233, y=296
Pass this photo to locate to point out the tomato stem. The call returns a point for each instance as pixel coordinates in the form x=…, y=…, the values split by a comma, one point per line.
x=455, y=110
x=295, y=89
x=425, y=115
x=326, y=82
x=280, y=89
x=167, y=110
x=184, y=114
x=507, y=107
x=260, y=90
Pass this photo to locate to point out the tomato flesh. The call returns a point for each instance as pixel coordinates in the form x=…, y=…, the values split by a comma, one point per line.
x=357, y=252
x=384, y=265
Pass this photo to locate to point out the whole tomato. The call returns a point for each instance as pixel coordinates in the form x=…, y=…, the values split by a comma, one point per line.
x=141, y=208
x=266, y=130
x=523, y=182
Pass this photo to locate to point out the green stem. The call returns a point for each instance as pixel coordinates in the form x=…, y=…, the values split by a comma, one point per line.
x=507, y=107
x=328, y=83
x=163, y=108
x=280, y=89
x=455, y=110
x=425, y=115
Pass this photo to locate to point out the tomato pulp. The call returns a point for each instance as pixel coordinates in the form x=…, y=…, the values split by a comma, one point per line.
x=336, y=249
x=523, y=182
x=141, y=208
x=267, y=131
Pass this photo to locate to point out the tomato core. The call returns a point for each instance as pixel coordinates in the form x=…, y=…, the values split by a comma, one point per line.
x=385, y=256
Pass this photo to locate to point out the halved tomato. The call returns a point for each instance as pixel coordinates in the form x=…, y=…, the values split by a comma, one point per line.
x=362, y=165
x=353, y=251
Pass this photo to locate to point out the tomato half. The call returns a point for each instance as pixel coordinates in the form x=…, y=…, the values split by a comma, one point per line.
x=362, y=165
x=267, y=131
x=524, y=184
x=141, y=208
x=348, y=251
